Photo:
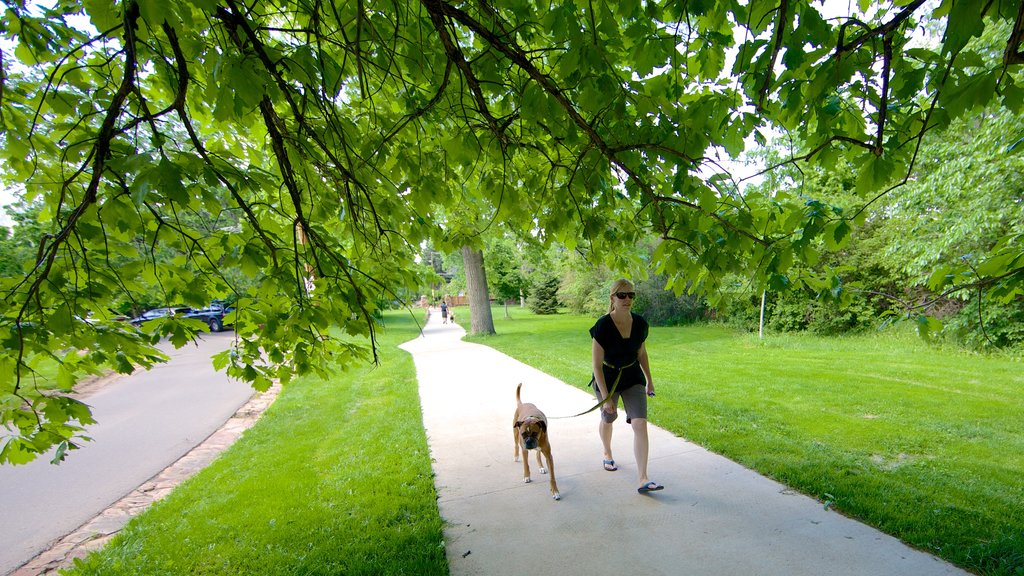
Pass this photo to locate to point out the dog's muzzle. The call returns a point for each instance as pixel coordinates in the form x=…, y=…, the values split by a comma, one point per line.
x=530, y=442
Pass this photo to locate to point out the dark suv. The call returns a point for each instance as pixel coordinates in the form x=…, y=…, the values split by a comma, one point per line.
x=213, y=315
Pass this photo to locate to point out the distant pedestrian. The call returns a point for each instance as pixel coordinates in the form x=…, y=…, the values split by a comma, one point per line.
x=621, y=368
x=444, y=313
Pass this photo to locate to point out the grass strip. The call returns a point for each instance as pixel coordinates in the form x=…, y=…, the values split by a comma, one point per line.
x=335, y=478
x=925, y=444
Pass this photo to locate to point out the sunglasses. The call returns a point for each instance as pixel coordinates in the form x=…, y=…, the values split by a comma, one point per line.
x=624, y=295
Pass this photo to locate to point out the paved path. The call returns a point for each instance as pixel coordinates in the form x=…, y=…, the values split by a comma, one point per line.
x=715, y=517
x=146, y=422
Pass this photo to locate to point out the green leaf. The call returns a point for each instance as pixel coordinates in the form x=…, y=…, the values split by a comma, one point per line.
x=927, y=326
x=65, y=377
x=971, y=93
x=874, y=175
x=25, y=54
x=169, y=180
x=60, y=453
x=759, y=14
x=836, y=234
x=15, y=452
x=103, y=13
x=941, y=277
x=964, y=22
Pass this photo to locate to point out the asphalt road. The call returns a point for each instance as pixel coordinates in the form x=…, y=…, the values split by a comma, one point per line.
x=145, y=422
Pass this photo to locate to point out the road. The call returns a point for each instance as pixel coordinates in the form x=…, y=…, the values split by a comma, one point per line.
x=145, y=422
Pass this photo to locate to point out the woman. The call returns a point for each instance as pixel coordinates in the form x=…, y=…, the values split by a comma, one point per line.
x=621, y=368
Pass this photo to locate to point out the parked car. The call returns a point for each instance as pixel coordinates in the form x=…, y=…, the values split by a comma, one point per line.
x=213, y=315
x=159, y=313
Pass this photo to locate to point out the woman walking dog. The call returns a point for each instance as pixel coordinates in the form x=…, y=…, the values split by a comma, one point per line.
x=621, y=368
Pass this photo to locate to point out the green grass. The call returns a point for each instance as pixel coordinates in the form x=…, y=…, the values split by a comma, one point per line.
x=322, y=484
x=925, y=444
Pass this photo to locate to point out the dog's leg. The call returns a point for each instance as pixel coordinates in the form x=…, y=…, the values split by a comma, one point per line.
x=540, y=463
x=516, y=441
x=526, y=466
x=551, y=472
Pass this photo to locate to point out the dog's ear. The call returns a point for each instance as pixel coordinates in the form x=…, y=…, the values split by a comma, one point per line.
x=543, y=425
x=517, y=424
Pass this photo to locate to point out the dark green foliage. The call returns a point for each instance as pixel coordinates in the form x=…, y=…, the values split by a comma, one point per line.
x=739, y=311
x=796, y=311
x=995, y=325
x=663, y=308
x=544, y=295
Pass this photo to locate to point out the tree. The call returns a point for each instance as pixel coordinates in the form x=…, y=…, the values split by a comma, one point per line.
x=544, y=294
x=480, y=319
x=332, y=131
x=506, y=278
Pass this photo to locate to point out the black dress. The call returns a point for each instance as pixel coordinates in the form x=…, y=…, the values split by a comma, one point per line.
x=621, y=354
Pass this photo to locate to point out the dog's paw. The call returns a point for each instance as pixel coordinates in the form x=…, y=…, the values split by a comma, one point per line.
x=556, y=496
x=527, y=480
x=543, y=470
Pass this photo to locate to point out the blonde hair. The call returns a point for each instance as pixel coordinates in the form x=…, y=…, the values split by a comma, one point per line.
x=617, y=286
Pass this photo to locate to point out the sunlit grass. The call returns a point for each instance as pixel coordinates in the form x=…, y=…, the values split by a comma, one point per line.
x=925, y=444
x=334, y=479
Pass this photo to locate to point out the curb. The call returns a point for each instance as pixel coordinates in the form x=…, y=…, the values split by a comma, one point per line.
x=95, y=533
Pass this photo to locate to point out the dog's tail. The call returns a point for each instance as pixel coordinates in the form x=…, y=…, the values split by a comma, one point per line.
x=518, y=401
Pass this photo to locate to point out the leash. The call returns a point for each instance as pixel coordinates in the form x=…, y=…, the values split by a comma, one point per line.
x=611, y=392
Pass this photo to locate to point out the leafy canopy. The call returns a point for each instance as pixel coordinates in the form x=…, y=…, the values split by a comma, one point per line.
x=307, y=146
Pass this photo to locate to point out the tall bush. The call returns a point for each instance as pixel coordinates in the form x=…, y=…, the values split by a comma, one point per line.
x=544, y=295
x=995, y=325
x=663, y=308
x=585, y=291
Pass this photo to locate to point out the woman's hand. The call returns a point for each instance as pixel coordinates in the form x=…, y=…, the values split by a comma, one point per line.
x=650, y=388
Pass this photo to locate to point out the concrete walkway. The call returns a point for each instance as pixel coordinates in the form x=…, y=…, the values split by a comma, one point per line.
x=714, y=517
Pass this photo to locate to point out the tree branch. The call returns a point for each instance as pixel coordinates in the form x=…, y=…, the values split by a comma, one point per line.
x=883, y=105
x=883, y=30
x=1014, y=53
x=455, y=55
x=179, y=105
x=101, y=150
x=780, y=29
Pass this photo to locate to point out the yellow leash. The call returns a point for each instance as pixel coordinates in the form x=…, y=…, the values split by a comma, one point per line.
x=611, y=392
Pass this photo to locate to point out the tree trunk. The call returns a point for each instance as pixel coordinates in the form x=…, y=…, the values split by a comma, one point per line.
x=480, y=321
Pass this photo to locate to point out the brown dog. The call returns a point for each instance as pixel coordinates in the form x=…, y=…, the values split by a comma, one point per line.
x=530, y=432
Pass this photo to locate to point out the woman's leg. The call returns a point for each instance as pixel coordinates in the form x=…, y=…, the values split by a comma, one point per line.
x=604, y=429
x=634, y=399
x=641, y=447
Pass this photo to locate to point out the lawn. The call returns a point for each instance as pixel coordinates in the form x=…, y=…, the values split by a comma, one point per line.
x=923, y=443
x=322, y=484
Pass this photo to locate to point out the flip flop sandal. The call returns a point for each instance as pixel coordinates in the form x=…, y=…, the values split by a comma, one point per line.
x=650, y=487
x=609, y=465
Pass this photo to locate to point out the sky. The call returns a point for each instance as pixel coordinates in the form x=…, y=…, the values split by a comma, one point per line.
x=6, y=197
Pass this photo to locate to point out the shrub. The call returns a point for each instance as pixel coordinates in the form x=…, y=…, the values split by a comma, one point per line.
x=544, y=295
x=739, y=311
x=662, y=307
x=999, y=325
x=585, y=291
